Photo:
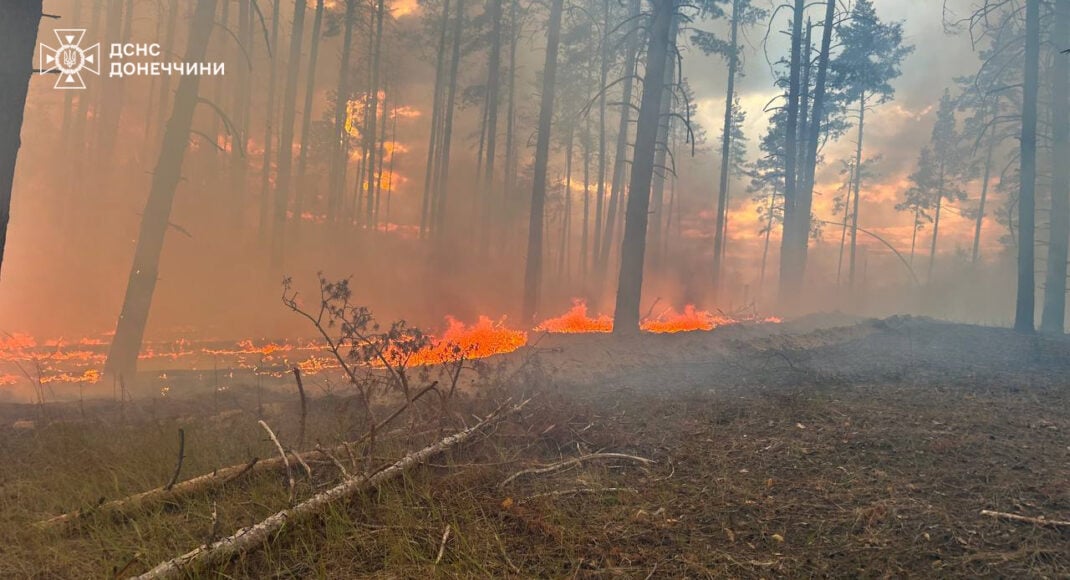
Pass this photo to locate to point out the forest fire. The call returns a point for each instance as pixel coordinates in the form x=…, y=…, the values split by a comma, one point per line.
x=576, y=320
x=483, y=339
x=691, y=319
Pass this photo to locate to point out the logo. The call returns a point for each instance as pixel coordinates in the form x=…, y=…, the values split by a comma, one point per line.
x=70, y=59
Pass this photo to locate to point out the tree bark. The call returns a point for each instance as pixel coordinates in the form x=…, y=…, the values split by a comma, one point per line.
x=436, y=122
x=442, y=187
x=857, y=189
x=306, y=119
x=1054, y=314
x=1024, y=315
x=269, y=126
x=494, y=66
x=19, y=22
x=533, y=267
x=621, y=157
x=340, y=158
x=661, y=169
x=286, y=145
x=130, y=330
x=633, y=247
x=372, y=114
x=726, y=149
x=789, y=258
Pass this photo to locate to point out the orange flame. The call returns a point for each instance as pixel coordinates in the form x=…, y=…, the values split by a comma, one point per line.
x=576, y=320
x=480, y=340
x=692, y=319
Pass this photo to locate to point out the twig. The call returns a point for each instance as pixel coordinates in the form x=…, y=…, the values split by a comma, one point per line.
x=252, y=537
x=334, y=460
x=286, y=462
x=304, y=408
x=571, y=462
x=304, y=464
x=181, y=456
x=579, y=490
x=1041, y=521
x=442, y=545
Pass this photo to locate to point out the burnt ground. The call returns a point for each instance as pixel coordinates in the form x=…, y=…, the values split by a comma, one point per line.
x=867, y=449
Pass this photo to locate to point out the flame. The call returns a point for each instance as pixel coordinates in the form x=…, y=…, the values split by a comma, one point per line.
x=576, y=320
x=690, y=320
x=483, y=339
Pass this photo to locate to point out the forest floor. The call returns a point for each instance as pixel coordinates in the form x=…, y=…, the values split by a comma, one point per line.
x=821, y=447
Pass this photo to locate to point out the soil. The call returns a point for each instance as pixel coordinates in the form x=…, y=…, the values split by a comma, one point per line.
x=822, y=447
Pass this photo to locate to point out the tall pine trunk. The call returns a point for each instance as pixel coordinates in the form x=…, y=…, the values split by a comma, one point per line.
x=726, y=149
x=340, y=154
x=130, y=330
x=442, y=185
x=633, y=246
x=985, y=180
x=1025, y=307
x=436, y=121
x=269, y=125
x=621, y=156
x=306, y=120
x=1054, y=314
x=936, y=226
x=286, y=144
x=533, y=267
x=372, y=115
x=857, y=189
x=494, y=66
x=603, y=78
x=661, y=168
x=789, y=255
x=19, y=22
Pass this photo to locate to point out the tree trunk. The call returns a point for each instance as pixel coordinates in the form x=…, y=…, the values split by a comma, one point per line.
x=789, y=255
x=494, y=66
x=857, y=188
x=936, y=228
x=1054, y=314
x=633, y=247
x=726, y=149
x=585, y=235
x=621, y=157
x=286, y=145
x=372, y=115
x=436, y=122
x=979, y=222
x=442, y=187
x=269, y=126
x=1024, y=316
x=566, y=221
x=122, y=356
x=111, y=93
x=340, y=158
x=510, y=119
x=533, y=268
x=19, y=22
x=603, y=78
x=661, y=168
x=306, y=119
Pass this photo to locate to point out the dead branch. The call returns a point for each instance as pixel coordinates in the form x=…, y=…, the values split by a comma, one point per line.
x=217, y=478
x=304, y=408
x=181, y=456
x=252, y=537
x=570, y=462
x=286, y=462
x=579, y=490
x=1041, y=521
x=442, y=545
x=334, y=460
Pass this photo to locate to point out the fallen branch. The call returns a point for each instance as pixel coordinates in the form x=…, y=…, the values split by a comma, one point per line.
x=254, y=536
x=286, y=462
x=579, y=490
x=217, y=478
x=570, y=462
x=1041, y=521
x=442, y=545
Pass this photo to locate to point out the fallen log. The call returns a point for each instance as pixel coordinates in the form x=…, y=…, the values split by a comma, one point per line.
x=254, y=536
x=217, y=478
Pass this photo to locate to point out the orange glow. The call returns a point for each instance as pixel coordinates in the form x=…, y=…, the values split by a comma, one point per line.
x=480, y=340
x=692, y=319
x=576, y=320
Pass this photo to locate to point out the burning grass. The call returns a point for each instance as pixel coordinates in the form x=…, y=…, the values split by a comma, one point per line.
x=480, y=340
x=577, y=321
